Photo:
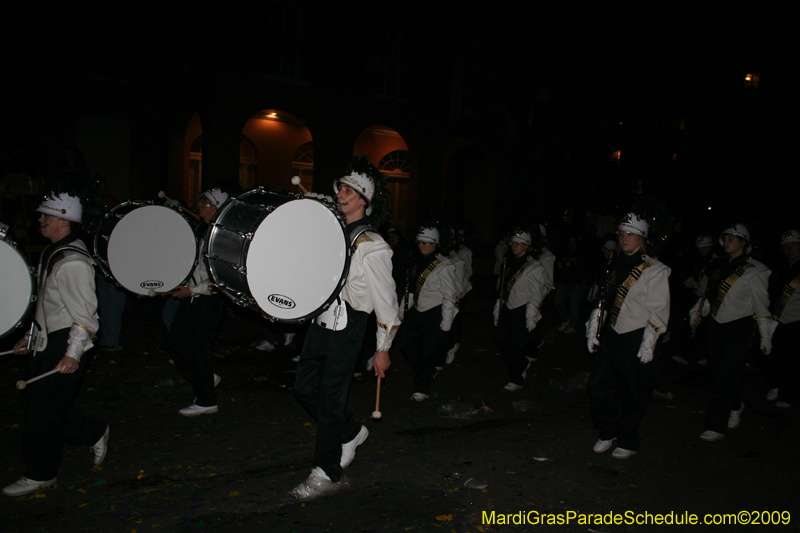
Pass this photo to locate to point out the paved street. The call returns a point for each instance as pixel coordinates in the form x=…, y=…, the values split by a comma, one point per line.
x=231, y=471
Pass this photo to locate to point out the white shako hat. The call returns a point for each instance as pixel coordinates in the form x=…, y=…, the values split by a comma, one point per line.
x=703, y=241
x=522, y=237
x=62, y=206
x=631, y=223
x=738, y=230
x=362, y=184
x=428, y=235
x=790, y=236
x=216, y=196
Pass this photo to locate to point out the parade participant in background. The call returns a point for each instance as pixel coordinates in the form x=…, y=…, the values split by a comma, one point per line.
x=547, y=259
x=704, y=246
x=735, y=289
x=335, y=337
x=630, y=314
x=433, y=304
x=784, y=363
x=465, y=256
x=66, y=324
x=518, y=309
x=191, y=335
x=570, y=285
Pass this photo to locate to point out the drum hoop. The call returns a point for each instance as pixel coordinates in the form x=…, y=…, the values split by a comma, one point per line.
x=102, y=262
x=246, y=248
x=31, y=294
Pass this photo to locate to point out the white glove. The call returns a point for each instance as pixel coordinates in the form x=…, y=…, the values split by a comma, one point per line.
x=532, y=316
x=648, y=344
x=496, y=311
x=591, y=330
x=694, y=316
x=690, y=283
x=449, y=312
x=766, y=327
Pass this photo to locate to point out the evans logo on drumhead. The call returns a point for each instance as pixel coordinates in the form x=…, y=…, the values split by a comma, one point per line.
x=154, y=284
x=278, y=300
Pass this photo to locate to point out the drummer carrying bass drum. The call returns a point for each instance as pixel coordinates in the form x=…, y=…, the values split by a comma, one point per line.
x=334, y=339
x=191, y=334
x=67, y=321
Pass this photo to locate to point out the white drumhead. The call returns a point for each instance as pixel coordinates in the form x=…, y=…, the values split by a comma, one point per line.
x=152, y=247
x=16, y=287
x=296, y=259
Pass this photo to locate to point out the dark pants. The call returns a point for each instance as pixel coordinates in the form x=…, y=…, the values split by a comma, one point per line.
x=424, y=345
x=190, y=342
x=727, y=348
x=51, y=418
x=785, y=361
x=515, y=342
x=617, y=369
x=568, y=301
x=323, y=380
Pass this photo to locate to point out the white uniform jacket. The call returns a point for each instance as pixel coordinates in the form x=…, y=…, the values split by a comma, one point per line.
x=460, y=266
x=67, y=299
x=441, y=288
x=791, y=311
x=748, y=296
x=530, y=288
x=647, y=300
x=548, y=261
x=466, y=254
x=370, y=286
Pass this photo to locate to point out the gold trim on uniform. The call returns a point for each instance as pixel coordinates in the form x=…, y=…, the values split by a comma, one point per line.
x=422, y=277
x=510, y=285
x=726, y=285
x=622, y=290
x=362, y=238
x=657, y=328
x=386, y=327
x=788, y=291
x=91, y=335
x=62, y=211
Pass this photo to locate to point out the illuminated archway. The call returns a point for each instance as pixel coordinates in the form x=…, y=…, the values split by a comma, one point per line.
x=388, y=151
x=283, y=148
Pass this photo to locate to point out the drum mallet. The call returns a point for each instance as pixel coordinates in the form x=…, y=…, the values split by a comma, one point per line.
x=296, y=181
x=7, y=352
x=153, y=292
x=173, y=202
x=376, y=415
x=22, y=384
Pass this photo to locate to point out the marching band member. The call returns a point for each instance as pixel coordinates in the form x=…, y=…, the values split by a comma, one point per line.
x=704, y=246
x=334, y=340
x=191, y=335
x=735, y=288
x=518, y=309
x=785, y=364
x=433, y=306
x=631, y=313
x=464, y=256
x=67, y=322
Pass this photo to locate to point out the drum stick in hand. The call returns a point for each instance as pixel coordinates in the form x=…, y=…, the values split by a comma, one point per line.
x=376, y=415
x=153, y=292
x=296, y=181
x=173, y=202
x=22, y=384
x=7, y=352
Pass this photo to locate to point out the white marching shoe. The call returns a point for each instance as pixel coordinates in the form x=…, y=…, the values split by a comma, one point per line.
x=316, y=484
x=24, y=486
x=451, y=355
x=349, y=448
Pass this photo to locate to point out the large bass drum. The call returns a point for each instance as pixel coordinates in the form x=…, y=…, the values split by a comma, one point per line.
x=144, y=247
x=16, y=287
x=282, y=254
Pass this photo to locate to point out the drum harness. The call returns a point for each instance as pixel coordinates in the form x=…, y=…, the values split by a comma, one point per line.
x=335, y=317
x=35, y=326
